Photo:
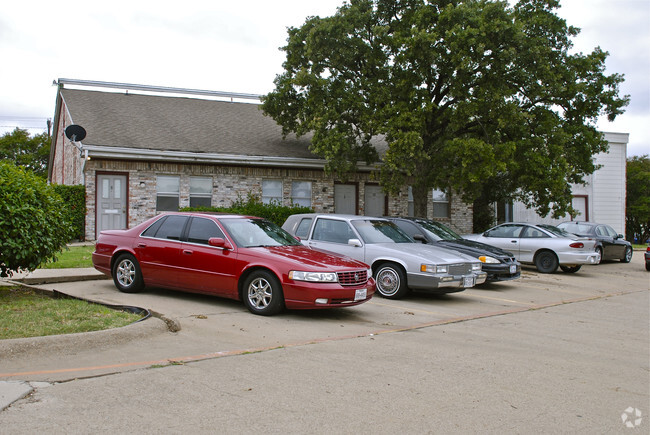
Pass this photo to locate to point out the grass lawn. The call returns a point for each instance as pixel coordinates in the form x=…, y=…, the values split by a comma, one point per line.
x=25, y=313
x=72, y=256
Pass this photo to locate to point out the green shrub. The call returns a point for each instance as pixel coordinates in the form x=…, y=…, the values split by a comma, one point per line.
x=74, y=198
x=33, y=224
x=253, y=206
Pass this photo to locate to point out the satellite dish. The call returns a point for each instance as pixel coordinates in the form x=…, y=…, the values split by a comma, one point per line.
x=75, y=132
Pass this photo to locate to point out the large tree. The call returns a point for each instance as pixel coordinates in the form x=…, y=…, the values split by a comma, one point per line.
x=474, y=96
x=637, y=210
x=26, y=151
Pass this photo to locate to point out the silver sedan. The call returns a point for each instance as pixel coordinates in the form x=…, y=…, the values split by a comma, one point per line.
x=545, y=246
x=399, y=264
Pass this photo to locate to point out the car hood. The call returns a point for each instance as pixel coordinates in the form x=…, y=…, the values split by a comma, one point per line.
x=474, y=248
x=432, y=253
x=304, y=257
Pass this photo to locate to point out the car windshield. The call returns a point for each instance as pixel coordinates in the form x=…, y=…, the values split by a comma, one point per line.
x=250, y=233
x=575, y=228
x=378, y=231
x=555, y=230
x=438, y=231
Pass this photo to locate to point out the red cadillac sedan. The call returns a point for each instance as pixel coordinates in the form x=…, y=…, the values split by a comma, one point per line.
x=238, y=257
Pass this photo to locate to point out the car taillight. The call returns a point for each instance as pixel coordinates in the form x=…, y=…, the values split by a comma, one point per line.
x=577, y=245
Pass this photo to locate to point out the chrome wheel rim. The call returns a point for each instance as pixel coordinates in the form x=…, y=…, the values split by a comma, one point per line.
x=126, y=273
x=388, y=281
x=260, y=293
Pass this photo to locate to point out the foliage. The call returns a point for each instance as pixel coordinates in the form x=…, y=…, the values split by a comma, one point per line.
x=253, y=206
x=33, y=225
x=74, y=198
x=474, y=96
x=637, y=210
x=29, y=152
x=24, y=313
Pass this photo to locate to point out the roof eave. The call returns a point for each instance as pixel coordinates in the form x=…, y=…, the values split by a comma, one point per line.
x=122, y=153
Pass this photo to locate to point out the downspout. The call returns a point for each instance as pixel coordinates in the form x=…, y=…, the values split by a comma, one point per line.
x=83, y=168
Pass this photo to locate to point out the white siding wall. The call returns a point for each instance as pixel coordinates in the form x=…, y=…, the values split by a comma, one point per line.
x=605, y=189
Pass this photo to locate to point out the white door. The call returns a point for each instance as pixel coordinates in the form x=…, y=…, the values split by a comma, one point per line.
x=111, y=202
x=579, y=203
x=345, y=199
x=375, y=201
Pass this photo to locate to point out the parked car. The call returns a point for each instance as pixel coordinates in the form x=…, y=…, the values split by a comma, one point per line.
x=545, y=246
x=500, y=265
x=646, y=254
x=399, y=264
x=237, y=257
x=609, y=244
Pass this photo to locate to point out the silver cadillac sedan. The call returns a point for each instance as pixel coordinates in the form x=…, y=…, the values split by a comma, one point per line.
x=399, y=264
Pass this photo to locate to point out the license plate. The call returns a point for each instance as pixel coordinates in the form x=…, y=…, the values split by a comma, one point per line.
x=468, y=281
x=513, y=269
x=360, y=295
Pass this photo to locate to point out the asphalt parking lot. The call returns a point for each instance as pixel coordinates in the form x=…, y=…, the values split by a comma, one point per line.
x=547, y=353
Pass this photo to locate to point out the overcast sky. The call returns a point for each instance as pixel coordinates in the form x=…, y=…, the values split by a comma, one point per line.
x=233, y=46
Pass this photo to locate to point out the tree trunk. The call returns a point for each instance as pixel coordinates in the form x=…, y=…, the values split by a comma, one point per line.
x=421, y=196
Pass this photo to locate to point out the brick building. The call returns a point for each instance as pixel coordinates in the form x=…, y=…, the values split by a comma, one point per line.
x=150, y=149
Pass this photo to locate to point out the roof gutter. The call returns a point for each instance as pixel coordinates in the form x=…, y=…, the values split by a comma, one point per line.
x=122, y=153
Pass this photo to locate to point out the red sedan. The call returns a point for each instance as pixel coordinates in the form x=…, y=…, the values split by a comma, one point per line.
x=237, y=257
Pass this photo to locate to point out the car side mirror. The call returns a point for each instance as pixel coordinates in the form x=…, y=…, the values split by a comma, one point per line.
x=219, y=242
x=620, y=236
x=355, y=242
x=420, y=238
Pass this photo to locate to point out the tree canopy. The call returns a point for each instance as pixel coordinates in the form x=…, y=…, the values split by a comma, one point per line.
x=637, y=210
x=475, y=96
x=29, y=152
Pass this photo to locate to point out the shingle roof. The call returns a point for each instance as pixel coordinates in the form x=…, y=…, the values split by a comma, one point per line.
x=179, y=124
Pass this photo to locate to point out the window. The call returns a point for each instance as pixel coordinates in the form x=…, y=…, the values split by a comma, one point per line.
x=328, y=230
x=301, y=193
x=505, y=231
x=202, y=230
x=170, y=228
x=411, y=205
x=303, y=228
x=167, y=188
x=200, y=192
x=271, y=191
x=440, y=204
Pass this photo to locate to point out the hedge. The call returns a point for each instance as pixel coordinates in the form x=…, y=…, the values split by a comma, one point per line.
x=75, y=210
x=253, y=206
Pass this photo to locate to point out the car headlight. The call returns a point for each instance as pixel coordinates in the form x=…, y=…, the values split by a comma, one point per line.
x=487, y=259
x=369, y=271
x=298, y=275
x=477, y=266
x=433, y=268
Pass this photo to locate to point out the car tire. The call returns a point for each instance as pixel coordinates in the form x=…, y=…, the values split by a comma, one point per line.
x=647, y=266
x=570, y=269
x=546, y=262
x=262, y=293
x=127, y=275
x=627, y=256
x=599, y=250
x=391, y=281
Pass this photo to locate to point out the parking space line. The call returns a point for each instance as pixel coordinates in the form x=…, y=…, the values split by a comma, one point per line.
x=399, y=307
x=500, y=299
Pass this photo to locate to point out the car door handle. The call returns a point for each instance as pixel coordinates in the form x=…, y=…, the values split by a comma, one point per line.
x=187, y=252
x=142, y=245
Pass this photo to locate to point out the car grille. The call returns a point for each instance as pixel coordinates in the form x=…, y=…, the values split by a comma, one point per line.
x=508, y=259
x=460, y=269
x=353, y=278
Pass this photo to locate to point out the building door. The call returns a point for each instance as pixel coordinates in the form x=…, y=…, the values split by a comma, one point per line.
x=111, y=202
x=375, y=201
x=579, y=203
x=345, y=198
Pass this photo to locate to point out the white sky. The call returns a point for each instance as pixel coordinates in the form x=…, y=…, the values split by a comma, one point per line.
x=233, y=46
